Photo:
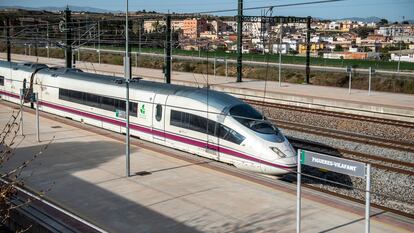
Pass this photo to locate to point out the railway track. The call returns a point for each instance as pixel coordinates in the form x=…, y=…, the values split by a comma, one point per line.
x=310, y=192
x=42, y=215
x=348, y=136
x=333, y=114
x=379, y=162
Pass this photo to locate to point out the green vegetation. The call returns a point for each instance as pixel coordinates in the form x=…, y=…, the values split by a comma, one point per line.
x=380, y=82
x=363, y=32
x=290, y=59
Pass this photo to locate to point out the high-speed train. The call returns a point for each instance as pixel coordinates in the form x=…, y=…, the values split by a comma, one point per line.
x=197, y=120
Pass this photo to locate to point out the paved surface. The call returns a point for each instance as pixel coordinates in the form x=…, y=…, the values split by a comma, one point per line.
x=377, y=98
x=379, y=104
x=85, y=172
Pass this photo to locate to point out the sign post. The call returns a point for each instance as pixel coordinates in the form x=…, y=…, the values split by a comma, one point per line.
x=21, y=109
x=215, y=61
x=335, y=164
x=36, y=100
x=371, y=71
x=349, y=71
x=227, y=69
x=298, y=191
x=367, y=198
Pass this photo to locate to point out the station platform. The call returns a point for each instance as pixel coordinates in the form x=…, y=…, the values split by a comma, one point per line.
x=378, y=104
x=84, y=170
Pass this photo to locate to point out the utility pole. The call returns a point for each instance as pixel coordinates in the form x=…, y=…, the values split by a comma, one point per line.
x=399, y=61
x=139, y=37
x=349, y=70
x=99, y=43
x=214, y=65
x=68, y=38
x=399, y=57
x=79, y=39
x=280, y=52
x=47, y=39
x=167, y=65
x=239, y=40
x=8, y=40
x=370, y=71
x=127, y=66
x=37, y=32
x=308, y=47
x=263, y=29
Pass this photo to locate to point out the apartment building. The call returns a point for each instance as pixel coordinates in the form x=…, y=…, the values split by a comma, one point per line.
x=193, y=27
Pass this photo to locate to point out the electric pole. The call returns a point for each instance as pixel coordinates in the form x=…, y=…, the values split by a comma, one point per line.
x=8, y=39
x=127, y=66
x=239, y=41
x=68, y=38
x=37, y=32
x=308, y=47
x=167, y=65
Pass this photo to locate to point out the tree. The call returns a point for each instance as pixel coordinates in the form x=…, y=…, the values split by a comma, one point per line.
x=338, y=48
x=136, y=27
x=405, y=22
x=367, y=49
x=383, y=22
x=292, y=51
x=320, y=53
x=363, y=32
x=11, y=177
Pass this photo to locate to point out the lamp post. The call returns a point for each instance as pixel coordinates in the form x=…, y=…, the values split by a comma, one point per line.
x=127, y=67
x=401, y=30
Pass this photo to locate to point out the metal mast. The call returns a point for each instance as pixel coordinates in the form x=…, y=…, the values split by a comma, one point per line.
x=68, y=38
x=8, y=40
x=127, y=66
x=239, y=40
x=167, y=65
x=308, y=47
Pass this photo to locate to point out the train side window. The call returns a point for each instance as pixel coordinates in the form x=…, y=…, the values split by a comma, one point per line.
x=186, y=117
x=175, y=118
x=198, y=123
x=193, y=122
x=102, y=102
x=228, y=134
x=108, y=104
x=158, y=114
x=1, y=81
x=235, y=137
x=75, y=96
x=92, y=100
x=222, y=131
x=133, y=108
x=212, y=127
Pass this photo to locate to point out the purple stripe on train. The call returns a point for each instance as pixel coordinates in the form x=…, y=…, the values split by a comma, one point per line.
x=153, y=132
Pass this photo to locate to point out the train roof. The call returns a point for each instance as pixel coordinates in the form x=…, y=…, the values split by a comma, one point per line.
x=219, y=100
x=25, y=66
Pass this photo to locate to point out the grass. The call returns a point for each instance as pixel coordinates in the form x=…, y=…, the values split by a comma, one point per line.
x=289, y=59
x=380, y=82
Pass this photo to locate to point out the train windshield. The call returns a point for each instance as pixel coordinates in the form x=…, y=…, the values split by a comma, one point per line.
x=252, y=119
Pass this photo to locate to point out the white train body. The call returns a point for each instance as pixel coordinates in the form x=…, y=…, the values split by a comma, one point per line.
x=200, y=121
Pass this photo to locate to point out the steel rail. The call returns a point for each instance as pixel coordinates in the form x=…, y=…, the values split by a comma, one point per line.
x=271, y=182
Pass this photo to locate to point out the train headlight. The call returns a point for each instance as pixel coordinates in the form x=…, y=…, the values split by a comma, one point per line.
x=278, y=152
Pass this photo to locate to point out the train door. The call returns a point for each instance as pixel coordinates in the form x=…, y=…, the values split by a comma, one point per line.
x=158, y=118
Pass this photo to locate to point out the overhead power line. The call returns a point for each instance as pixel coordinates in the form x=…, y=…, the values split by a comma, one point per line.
x=270, y=6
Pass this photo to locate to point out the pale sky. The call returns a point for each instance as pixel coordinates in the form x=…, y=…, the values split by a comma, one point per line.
x=393, y=10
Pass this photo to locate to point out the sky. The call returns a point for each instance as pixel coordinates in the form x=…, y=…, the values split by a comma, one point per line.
x=393, y=10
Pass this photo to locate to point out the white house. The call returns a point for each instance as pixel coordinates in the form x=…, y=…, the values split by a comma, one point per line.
x=334, y=25
x=406, y=55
